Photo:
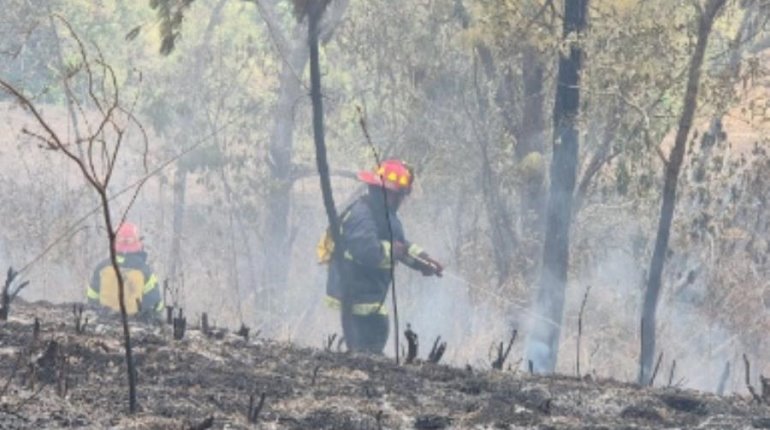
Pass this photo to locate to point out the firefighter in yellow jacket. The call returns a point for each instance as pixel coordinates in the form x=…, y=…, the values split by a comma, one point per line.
x=141, y=291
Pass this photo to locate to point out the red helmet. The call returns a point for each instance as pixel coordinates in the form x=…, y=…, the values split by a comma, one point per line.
x=394, y=175
x=127, y=239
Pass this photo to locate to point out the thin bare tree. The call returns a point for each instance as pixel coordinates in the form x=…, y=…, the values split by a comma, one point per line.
x=107, y=119
x=706, y=18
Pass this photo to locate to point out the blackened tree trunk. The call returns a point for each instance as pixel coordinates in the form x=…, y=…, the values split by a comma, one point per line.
x=543, y=343
x=646, y=356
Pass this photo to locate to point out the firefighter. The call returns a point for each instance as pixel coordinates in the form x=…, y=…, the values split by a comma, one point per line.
x=361, y=266
x=141, y=291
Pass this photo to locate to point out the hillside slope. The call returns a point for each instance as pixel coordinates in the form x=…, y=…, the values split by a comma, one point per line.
x=64, y=379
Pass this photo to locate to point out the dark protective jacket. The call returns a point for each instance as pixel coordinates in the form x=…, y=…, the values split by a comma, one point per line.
x=141, y=291
x=361, y=265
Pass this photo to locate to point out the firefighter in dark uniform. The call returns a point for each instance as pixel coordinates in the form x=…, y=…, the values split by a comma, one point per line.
x=141, y=291
x=360, y=269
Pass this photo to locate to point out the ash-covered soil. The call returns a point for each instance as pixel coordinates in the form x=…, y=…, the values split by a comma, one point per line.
x=64, y=379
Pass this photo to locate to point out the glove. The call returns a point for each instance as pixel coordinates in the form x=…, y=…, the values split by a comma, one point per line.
x=429, y=266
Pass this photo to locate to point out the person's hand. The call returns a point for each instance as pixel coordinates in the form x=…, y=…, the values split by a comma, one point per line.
x=430, y=267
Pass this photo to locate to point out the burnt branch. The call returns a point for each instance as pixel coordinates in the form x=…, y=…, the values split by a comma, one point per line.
x=315, y=374
x=180, y=325
x=80, y=324
x=671, y=373
x=502, y=354
x=205, y=328
x=254, y=410
x=62, y=374
x=765, y=388
x=243, y=332
x=655, y=371
x=753, y=392
x=580, y=330
x=329, y=342
x=413, y=344
x=169, y=315
x=437, y=351
x=9, y=292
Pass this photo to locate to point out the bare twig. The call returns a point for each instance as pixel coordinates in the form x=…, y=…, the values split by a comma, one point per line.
x=655, y=371
x=437, y=351
x=62, y=374
x=315, y=374
x=753, y=392
x=169, y=314
x=329, y=342
x=244, y=332
x=376, y=155
x=671, y=373
x=254, y=411
x=205, y=324
x=580, y=329
x=765, y=388
x=180, y=324
x=9, y=293
x=80, y=324
x=412, y=344
x=503, y=355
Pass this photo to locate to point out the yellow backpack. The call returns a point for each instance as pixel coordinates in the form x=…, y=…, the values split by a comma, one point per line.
x=325, y=248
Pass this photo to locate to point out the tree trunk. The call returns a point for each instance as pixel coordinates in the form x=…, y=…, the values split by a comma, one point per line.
x=180, y=176
x=180, y=190
x=276, y=234
x=649, y=310
x=530, y=137
x=543, y=343
x=276, y=252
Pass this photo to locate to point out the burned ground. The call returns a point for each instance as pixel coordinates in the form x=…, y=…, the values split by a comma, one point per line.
x=62, y=379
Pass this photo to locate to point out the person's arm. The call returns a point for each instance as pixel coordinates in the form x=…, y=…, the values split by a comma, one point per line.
x=415, y=257
x=152, y=302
